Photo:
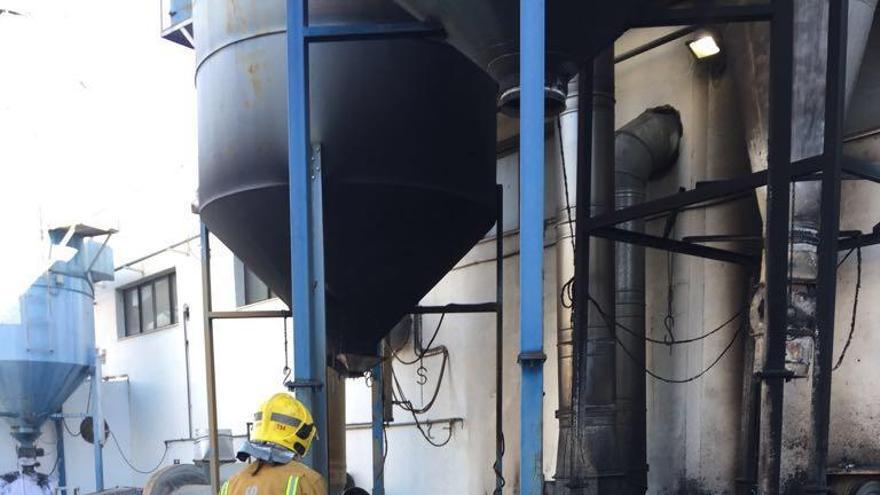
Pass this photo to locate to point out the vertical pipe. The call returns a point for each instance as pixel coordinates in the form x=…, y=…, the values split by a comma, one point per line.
x=596, y=374
x=337, y=464
x=777, y=230
x=208, y=325
x=189, y=405
x=835, y=102
x=306, y=239
x=499, y=341
x=582, y=248
x=378, y=396
x=59, y=452
x=531, y=181
x=98, y=421
x=747, y=463
x=565, y=222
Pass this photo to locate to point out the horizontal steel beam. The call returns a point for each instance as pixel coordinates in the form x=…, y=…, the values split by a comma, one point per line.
x=705, y=191
x=668, y=38
x=699, y=239
x=379, y=31
x=237, y=315
x=849, y=239
x=862, y=240
x=709, y=14
x=489, y=307
x=861, y=168
x=650, y=241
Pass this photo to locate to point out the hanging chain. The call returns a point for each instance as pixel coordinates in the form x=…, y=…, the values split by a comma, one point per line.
x=669, y=319
x=285, y=371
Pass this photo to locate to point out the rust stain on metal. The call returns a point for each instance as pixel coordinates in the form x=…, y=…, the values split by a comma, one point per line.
x=254, y=76
x=235, y=21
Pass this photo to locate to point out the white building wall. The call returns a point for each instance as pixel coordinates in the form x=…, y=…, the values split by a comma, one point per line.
x=692, y=427
x=150, y=411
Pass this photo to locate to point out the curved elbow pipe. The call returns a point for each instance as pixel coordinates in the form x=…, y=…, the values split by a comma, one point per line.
x=647, y=145
x=644, y=148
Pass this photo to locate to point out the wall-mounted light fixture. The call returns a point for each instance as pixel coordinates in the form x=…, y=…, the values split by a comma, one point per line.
x=705, y=44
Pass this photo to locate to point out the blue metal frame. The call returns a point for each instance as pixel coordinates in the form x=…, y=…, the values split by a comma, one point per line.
x=306, y=227
x=531, y=179
x=378, y=430
x=306, y=214
x=98, y=421
x=363, y=32
x=306, y=239
x=59, y=455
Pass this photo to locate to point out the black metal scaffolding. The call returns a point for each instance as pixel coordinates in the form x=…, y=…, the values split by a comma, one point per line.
x=827, y=167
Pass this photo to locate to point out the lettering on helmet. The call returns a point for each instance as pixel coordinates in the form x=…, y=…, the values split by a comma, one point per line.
x=251, y=490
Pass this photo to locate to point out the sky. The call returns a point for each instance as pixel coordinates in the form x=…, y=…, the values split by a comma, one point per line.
x=97, y=126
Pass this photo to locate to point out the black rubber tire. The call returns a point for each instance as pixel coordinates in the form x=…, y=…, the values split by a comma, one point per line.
x=868, y=488
x=168, y=479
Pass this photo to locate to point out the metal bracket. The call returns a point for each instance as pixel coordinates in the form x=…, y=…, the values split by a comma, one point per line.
x=312, y=384
x=771, y=374
x=531, y=358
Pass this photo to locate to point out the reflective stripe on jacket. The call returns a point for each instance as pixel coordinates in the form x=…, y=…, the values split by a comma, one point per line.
x=275, y=479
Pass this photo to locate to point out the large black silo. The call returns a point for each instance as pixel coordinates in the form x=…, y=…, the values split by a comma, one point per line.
x=407, y=132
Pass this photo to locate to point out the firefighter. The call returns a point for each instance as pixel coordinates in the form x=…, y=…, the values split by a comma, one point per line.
x=283, y=432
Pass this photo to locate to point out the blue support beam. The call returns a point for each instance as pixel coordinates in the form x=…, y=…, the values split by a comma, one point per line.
x=306, y=239
x=531, y=179
x=59, y=454
x=378, y=430
x=366, y=32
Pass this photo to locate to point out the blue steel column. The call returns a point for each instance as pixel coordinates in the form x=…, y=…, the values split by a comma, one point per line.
x=306, y=239
x=531, y=180
x=59, y=454
x=98, y=421
x=378, y=395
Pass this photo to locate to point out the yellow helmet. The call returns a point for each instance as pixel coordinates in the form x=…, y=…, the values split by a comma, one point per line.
x=284, y=421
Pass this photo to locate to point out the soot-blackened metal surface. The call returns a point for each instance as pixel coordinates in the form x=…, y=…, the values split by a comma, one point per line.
x=407, y=130
x=487, y=31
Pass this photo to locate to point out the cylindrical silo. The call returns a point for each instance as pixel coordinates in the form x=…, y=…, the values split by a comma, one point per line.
x=48, y=336
x=407, y=136
x=407, y=132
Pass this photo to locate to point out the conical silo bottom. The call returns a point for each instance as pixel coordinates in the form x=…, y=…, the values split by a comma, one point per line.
x=31, y=391
x=386, y=246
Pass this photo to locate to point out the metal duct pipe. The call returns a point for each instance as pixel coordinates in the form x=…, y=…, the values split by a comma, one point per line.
x=644, y=147
x=596, y=446
x=336, y=431
x=750, y=58
x=566, y=202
